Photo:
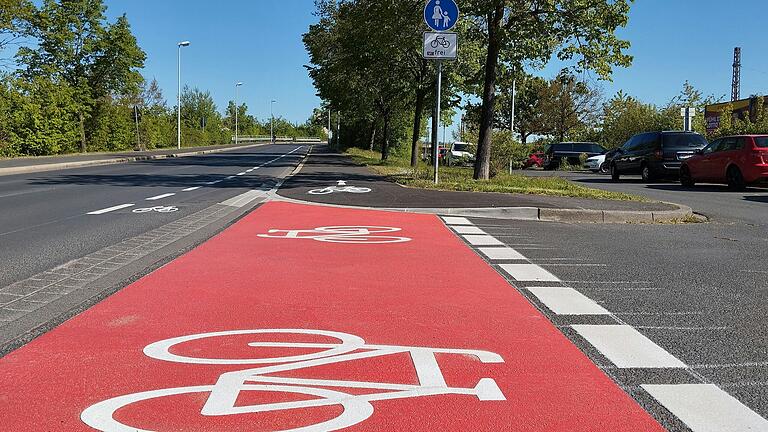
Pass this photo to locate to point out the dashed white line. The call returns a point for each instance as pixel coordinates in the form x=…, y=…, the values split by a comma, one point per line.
x=190, y=189
x=567, y=301
x=157, y=197
x=111, y=209
x=627, y=347
x=483, y=240
x=501, y=253
x=452, y=220
x=706, y=408
x=529, y=272
x=463, y=229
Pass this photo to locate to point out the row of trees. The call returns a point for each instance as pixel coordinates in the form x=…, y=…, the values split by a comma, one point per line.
x=74, y=84
x=375, y=76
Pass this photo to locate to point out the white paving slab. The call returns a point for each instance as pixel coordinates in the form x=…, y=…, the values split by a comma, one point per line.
x=464, y=229
x=529, y=272
x=626, y=347
x=453, y=220
x=483, y=240
x=501, y=253
x=707, y=408
x=567, y=301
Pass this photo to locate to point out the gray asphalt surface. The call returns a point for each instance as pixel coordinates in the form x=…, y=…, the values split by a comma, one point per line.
x=44, y=220
x=714, y=201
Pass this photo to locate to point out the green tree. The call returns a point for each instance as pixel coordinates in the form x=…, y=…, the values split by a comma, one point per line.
x=14, y=19
x=568, y=104
x=532, y=31
x=76, y=45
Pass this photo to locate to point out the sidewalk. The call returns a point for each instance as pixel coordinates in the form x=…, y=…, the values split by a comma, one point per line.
x=325, y=169
x=23, y=165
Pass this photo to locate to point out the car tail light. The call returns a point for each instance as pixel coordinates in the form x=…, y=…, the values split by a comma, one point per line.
x=762, y=157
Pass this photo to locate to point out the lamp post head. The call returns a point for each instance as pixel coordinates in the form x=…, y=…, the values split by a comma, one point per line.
x=184, y=43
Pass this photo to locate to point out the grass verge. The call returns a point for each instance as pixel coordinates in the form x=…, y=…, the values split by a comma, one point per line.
x=460, y=179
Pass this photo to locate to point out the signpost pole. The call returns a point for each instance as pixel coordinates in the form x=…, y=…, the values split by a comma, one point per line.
x=436, y=144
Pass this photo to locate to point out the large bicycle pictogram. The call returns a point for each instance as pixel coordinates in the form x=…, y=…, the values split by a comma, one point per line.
x=223, y=395
x=357, y=234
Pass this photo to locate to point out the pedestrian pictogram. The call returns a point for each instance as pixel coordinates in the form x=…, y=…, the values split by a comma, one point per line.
x=441, y=15
x=335, y=349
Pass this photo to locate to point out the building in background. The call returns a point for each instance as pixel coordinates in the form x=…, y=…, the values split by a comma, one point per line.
x=741, y=109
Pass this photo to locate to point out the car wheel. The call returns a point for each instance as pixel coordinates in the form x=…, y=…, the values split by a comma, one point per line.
x=686, y=179
x=604, y=168
x=615, y=174
x=646, y=173
x=736, y=179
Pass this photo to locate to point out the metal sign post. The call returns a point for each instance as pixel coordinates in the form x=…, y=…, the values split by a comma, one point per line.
x=688, y=114
x=440, y=16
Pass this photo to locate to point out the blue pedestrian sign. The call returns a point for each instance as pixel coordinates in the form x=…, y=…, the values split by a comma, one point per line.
x=441, y=15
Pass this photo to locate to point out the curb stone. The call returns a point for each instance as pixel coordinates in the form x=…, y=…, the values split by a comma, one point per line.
x=111, y=161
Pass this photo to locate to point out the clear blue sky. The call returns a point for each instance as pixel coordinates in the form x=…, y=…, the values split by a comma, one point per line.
x=259, y=42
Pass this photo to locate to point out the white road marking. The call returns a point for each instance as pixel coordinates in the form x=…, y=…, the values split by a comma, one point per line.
x=706, y=408
x=155, y=198
x=567, y=301
x=627, y=347
x=501, y=253
x=452, y=220
x=191, y=189
x=529, y=272
x=244, y=198
x=111, y=209
x=483, y=240
x=467, y=230
x=230, y=177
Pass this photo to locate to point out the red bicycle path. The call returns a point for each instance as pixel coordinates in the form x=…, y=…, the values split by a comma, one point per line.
x=432, y=291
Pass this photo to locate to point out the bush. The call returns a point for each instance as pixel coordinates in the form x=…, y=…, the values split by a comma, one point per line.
x=505, y=151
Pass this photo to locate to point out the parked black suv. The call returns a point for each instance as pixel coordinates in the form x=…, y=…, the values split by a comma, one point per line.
x=656, y=155
x=555, y=153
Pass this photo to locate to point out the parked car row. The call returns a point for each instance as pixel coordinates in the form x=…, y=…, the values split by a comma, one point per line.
x=737, y=161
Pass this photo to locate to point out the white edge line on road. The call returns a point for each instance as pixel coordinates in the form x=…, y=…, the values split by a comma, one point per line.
x=464, y=229
x=190, y=189
x=626, y=347
x=157, y=197
x=483, y=240
x=567, y=301
x=706, y=408
x=453, y=220
x=502, y=253
x=111, y=209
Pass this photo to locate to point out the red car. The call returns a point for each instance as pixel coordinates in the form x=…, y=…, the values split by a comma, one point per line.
x=535, y=159
x=737, y=161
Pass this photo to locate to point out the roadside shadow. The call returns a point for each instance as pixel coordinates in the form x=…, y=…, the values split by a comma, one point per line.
x=699, y=188
x=150, y=180
x=758, y=199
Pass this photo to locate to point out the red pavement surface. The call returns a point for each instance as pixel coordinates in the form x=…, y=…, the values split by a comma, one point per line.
x=388, y=294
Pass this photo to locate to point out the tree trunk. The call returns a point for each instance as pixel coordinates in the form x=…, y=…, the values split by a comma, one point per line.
x=483, y=161
x=421, y=95
x=372, y=135
x=82, y=133
x=385, y=144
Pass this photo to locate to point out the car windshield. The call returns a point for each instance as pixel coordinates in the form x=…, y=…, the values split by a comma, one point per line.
x=689, y=140
x=762, y=142
x=461, y=147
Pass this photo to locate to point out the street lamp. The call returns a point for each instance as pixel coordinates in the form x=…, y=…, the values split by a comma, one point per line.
x=178, y=100
x=272, y=121
x=236, y=109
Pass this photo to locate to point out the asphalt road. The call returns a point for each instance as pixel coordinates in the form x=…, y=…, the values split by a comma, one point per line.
x=44, y=221
x=721, y=205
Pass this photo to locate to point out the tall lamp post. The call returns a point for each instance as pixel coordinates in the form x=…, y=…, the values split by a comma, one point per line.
x=272, y=120
x=237, y=108
x=178, y=99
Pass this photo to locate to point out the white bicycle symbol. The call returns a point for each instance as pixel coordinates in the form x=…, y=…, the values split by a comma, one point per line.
x=159, y=209
x=332, y=189
x=341, y=234
x=224, y=394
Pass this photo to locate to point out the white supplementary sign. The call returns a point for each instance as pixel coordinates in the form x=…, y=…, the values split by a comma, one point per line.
x=340, y=187
x=224, y=394
x=341, y=234
x=441, y=46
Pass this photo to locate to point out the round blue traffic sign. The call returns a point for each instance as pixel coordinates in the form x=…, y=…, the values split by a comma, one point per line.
x=441, y=15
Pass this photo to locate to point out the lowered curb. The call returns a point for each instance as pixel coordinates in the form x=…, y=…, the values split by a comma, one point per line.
x=111, y=161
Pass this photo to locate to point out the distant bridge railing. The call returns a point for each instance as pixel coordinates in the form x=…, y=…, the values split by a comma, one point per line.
x=267, y=138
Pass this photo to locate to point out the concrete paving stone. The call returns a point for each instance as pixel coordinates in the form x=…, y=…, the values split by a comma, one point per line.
x=11, y=315
x=43, y=297
x=20, y=289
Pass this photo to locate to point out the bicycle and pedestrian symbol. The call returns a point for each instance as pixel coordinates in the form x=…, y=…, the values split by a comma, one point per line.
x=357, y=234
x=340, y=187
x=263, y=377
x=157, y=209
